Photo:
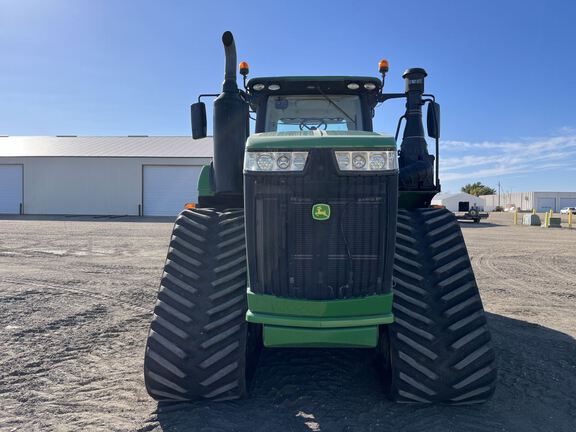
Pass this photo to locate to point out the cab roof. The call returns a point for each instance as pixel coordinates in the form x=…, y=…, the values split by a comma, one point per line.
x=310, y=84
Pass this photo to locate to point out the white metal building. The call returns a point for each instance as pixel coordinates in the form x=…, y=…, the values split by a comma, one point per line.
x=541, y=201
x=458, y=202
x=149, y=176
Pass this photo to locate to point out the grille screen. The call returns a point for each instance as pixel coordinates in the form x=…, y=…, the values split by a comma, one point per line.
x=293, y=255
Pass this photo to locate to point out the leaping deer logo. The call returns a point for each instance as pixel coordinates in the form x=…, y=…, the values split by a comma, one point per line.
x=321, y=211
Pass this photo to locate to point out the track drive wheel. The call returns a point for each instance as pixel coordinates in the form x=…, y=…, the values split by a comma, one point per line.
x=200, y=345
x=439, y=344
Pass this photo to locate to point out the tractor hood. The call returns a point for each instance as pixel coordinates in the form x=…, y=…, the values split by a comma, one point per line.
x=318, y=139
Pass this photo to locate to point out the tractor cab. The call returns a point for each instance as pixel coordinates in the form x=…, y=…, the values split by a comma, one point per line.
x=292, y=104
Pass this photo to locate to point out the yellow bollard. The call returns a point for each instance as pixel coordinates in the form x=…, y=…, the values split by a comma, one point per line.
x=533, y=211
x=516, y=217
x=546, y=219
x=569, y=218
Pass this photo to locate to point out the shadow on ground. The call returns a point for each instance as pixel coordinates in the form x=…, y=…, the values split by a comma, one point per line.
x=471, y=224
x=331, y=390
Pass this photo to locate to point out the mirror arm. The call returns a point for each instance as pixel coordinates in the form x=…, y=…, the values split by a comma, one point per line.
x=385, y=96
x=398, y=127
x=245, y=96
x=430, y=96
x=208, y=95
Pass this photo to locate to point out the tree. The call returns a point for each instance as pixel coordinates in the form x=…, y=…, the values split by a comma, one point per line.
x=478, y=189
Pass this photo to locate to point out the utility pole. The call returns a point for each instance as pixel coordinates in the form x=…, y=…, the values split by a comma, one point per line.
x=498, y=193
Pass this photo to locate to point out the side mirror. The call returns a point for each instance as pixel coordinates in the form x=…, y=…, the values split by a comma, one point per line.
x=198, y=114
x=433, y=120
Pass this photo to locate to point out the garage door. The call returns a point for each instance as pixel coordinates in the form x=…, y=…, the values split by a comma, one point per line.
x=567, y=202
x=10, y=189
x=167, y=188
x=546, y=204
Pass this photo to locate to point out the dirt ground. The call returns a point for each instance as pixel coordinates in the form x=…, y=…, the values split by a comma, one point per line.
x=75, y=303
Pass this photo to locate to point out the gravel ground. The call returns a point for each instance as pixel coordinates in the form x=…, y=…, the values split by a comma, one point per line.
x=76, y=296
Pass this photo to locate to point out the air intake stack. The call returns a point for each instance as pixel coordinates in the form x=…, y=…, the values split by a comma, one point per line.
x=416, y=164
x=231, y=127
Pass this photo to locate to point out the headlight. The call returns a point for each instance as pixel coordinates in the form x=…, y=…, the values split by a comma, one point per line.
x=343, y=160
x=283, y=161
x=381, y=160
x=358, y=160
x=265, y=162
x=275, y=161
x=377, y=161
x=299, y=161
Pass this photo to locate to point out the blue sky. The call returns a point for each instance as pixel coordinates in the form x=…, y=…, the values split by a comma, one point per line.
x=503, y=71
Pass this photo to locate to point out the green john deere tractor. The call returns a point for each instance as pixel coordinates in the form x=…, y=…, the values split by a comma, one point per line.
x=317, y=232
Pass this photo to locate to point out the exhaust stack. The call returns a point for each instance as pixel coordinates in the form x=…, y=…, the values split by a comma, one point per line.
x=416, y=164
x=231, y=127
x=230, y=67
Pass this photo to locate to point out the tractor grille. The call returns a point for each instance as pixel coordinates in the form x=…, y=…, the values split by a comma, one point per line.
x=292, y=255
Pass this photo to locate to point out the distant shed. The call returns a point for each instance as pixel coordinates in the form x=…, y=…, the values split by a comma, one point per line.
x=458, y=202
x=540, y=201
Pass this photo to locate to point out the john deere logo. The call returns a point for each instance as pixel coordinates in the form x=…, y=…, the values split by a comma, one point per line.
x=321, y=212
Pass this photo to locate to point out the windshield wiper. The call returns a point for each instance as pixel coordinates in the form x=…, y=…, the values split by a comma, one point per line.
x=325, y=96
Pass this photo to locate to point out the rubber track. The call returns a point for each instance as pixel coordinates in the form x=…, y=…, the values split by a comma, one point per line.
x=440, y=345
x=197, y=342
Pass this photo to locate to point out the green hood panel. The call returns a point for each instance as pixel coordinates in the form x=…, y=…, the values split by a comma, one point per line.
x=318, y=139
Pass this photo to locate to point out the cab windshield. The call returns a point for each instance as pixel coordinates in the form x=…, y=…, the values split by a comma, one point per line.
x=313, y=112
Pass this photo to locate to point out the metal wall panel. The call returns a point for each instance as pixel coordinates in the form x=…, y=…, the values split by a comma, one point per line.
x=10, y=189
x=567, y=202
x=546, y=204
x=167, y=188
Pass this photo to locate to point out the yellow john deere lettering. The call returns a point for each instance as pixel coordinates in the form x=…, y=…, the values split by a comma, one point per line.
x=321, y=212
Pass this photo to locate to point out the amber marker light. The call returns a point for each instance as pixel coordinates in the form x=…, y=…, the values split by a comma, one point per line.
x=244, y=68
x=383, y=66
x=190, y=205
